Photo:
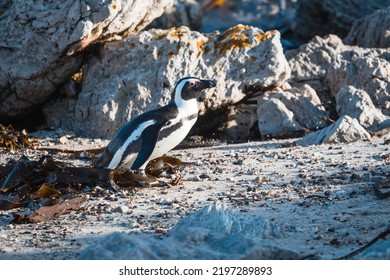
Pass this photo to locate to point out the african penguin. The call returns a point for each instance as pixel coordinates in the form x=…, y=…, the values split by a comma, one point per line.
x=154, y=133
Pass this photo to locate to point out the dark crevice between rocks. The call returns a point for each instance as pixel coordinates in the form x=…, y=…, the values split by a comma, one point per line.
x=30, y=122
x=208, y=125
x=35, y=119
x=71, y=88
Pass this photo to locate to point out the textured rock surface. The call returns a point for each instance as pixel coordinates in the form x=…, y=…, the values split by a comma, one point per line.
x=367, y=69
x=274, y=117
x=137, y=74
x=345, y=130
x=327, y=65
x=290, y=110
x=40, y=41
x=357, y=104
x=311, y=62
x=371, y=31
x=322, y=17
x=213, y=232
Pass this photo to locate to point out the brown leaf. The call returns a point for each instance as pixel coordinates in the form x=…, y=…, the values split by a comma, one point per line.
x=47, y=164
x=46, y=191
x=45, y=181
x=47, y=213
x=131, y=179
x=162, y=164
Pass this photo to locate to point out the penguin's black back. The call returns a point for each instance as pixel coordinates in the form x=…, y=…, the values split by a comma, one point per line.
x=161, y=116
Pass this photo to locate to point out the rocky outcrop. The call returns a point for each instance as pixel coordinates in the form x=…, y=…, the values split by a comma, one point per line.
x=367, y=69
x=371, y=31
x=323, y=17
x=41, y=42
x=138, y=73
x=345, y=130
x=327, y=65
x=349, y=80
x=275, y=118
x=357, y=104
x=291, y=110
x=311, y=62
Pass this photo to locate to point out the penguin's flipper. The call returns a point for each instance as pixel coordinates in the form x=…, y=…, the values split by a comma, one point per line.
x=115, y=144
x=149, y=139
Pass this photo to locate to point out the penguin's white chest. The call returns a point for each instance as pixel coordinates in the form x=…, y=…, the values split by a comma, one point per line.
x=179, y=128
x=173, y=139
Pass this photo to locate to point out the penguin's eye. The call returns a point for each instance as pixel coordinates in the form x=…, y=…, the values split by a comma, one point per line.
x=192, y=84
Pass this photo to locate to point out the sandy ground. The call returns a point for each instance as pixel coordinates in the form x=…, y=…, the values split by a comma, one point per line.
x=320, y=196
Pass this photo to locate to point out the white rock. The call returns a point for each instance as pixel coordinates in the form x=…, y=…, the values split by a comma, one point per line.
x=167, y=201
x=213, y=232
x=121, y=209
x=290, y=110
x=275, y=117
x=357, y=104
x=63, y=140
x=345, y=130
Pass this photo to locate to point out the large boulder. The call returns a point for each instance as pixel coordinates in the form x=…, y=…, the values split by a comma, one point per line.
x=322, y=17
x=345, y=130
x=371, y=31
x=41, y=42
x=275, y=118
x=366, y=69
x=291, y=110
x=357, y=104
x=311, y=62
x=138, y=73
x=349, y=80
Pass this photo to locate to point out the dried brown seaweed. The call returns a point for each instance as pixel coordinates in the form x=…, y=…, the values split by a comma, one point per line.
x=47, y=213
x=47, y=182
x=12, y=139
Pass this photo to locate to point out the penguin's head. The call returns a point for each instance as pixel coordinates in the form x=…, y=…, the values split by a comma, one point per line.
x=189, y=88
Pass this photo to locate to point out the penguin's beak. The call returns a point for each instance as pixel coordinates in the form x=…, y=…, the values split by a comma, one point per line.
x=204, y=84
x=208, y=84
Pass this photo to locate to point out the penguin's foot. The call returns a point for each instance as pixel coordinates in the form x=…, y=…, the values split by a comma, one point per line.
x=163, y=166
x=133, y=179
